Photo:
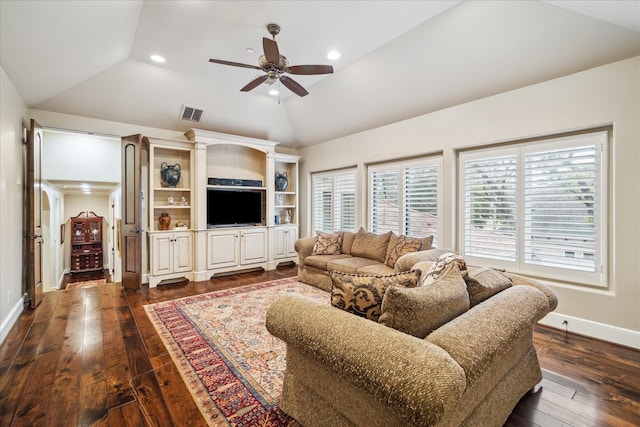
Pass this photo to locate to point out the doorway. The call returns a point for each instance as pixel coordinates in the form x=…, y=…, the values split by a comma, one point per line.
x=80, y=172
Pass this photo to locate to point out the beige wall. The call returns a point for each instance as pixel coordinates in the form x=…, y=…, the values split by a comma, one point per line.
x=12, y=112
x=601, y=96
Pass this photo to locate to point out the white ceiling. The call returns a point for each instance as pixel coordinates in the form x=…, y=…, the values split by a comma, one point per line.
x=399, y=59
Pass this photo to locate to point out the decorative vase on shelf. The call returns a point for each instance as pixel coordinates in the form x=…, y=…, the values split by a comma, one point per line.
x=287, y=217
x=170, y=174
x=281, y=181
x=164, y=221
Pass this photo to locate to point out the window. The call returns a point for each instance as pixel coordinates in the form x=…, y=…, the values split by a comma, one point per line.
x=537, y=207
x=404, y=197
x=334, y=201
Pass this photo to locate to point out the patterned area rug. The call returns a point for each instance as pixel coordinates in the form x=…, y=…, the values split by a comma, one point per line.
x=231, y=364
x=86, y=284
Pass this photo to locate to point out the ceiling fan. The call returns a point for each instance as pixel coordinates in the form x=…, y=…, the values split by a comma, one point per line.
x=275, y=66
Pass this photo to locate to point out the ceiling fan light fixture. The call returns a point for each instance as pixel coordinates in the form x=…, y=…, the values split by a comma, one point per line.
x=274, y=92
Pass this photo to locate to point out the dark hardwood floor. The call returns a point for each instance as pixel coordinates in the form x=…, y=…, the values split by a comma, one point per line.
x=90, y=356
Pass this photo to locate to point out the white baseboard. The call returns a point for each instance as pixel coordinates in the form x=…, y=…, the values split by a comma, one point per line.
x=589, y=328
x=8, y=323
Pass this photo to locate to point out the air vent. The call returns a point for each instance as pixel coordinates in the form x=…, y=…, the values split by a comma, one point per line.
x=191, y=114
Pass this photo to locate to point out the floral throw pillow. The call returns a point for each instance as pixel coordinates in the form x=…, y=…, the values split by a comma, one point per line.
x=362, y=295
x=402, y=245
x=327, y=244
x=442, y=265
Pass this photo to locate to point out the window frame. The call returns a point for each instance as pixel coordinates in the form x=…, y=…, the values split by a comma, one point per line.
x=333, y=175
x=600, y=139
x=400, y=167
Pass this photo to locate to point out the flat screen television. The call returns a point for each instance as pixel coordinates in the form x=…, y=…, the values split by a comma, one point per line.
x=231, y=207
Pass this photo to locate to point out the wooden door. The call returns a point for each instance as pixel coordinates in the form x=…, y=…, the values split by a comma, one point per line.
x=33, y=214
x=131, y=230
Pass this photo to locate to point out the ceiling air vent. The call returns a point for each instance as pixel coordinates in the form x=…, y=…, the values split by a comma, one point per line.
x=191, y=114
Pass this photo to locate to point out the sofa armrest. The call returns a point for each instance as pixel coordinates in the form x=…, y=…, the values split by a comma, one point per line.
x=415, y=379
x=407, y=261
x=522, y=280
x=304, y=248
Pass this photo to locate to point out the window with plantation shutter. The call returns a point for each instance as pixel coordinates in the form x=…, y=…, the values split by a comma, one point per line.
x=404, y=197
x=334, y=201
x=538, y=207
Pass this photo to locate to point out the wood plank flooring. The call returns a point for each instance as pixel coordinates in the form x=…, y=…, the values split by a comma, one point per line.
x=91, y=357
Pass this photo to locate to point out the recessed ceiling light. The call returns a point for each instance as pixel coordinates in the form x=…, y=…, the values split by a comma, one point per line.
x=157, y=58
x=249, y=50
x=333, y=55
x=273, y=92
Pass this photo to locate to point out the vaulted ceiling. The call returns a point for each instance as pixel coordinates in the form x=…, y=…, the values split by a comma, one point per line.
x=400, y=59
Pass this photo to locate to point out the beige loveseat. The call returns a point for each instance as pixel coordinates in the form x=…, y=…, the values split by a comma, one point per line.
x=345, y=370
x=368, y=256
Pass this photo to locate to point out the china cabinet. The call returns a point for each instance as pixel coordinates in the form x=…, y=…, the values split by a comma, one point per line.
x=86, y=242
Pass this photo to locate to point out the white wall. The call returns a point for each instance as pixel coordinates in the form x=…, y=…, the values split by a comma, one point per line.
x=12, y=112
x=601, y=96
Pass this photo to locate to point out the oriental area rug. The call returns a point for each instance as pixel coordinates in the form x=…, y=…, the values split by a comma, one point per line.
x=230, y=363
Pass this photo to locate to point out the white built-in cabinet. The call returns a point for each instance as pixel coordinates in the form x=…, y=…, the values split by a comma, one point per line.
x=285, y=238
x=187, y=248
x=230, y=248
x=172, y=253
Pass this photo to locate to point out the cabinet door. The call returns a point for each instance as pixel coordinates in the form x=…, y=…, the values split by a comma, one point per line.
x=292, y=236
x=280, y=246
x=162, y=254
x=182, y=252
x=253, y=246
x=222, y=249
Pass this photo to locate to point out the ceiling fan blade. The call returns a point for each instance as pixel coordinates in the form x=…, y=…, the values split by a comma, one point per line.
x=293, y=86
x=271, y=51
x=254, y=83
x=310, y=69
x=234, y=64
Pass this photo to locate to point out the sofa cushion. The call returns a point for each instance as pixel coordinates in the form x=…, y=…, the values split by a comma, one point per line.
x=419, y=311
x=400, y=245
x=320, y=261
x=347, y=241
x=370, y=245
x=443, y=264
x=377, y=269
x=349, y=264
x=484, y=283
x=327, y=244
x=362, y=294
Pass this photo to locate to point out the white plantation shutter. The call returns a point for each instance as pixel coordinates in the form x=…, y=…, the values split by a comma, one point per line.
x=404, y=197
x=538, y=207
x=421, y=201
x=490, y=206
x=384, y=185
x=560, y=207
x=334, y=201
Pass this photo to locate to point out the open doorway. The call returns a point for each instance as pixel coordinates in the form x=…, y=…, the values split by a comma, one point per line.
x=80, y=173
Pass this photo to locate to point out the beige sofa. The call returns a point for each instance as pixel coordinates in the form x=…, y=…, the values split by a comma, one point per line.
x=369, y=258
x=345, y=370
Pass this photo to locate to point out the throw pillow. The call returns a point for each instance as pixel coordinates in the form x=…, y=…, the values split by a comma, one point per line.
x=442, y=265
x=362, y=294
x=427, y=242
x=327, y=244
x=419, y=311
x=370, y=245
x=484, y=283
x=400, y=245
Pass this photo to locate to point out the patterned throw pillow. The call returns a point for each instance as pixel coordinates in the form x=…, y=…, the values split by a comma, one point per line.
x=401, y=245
x=327, y=244
x=484, y=283
x=442, y=266
x=370, y=245
x=419, y=311
x=362, y=294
